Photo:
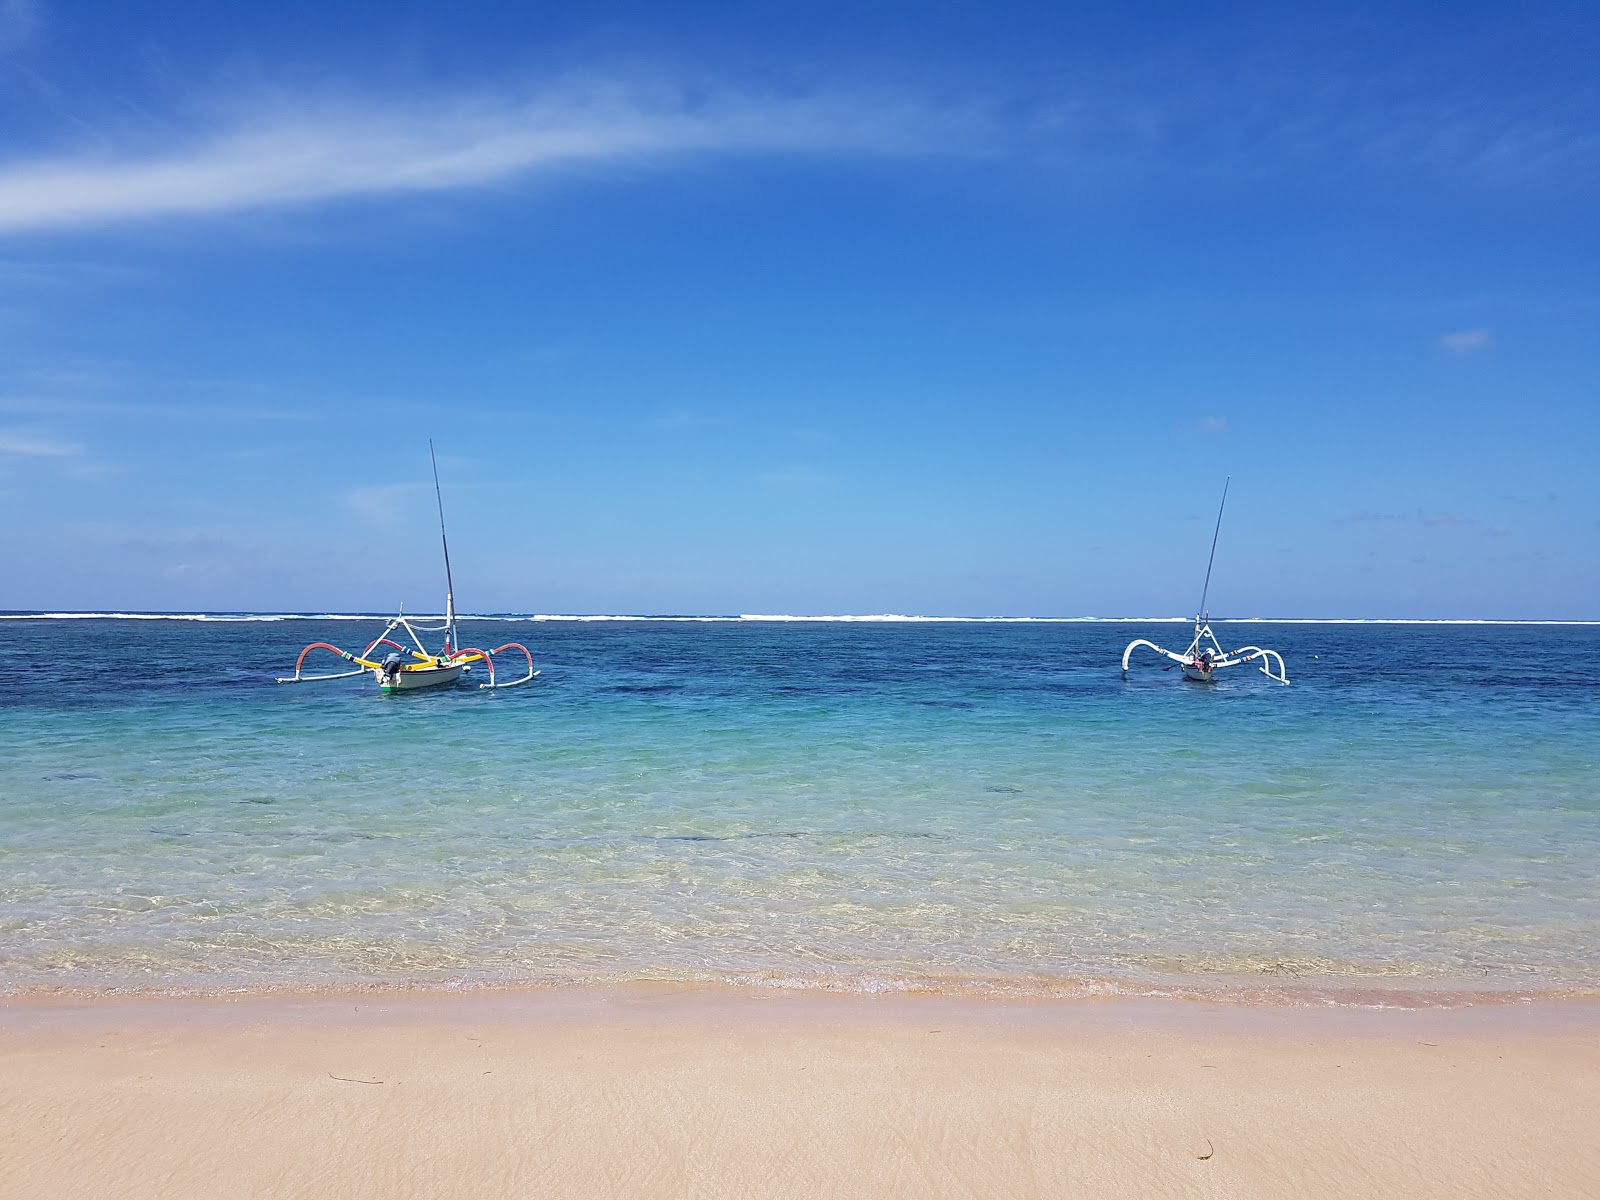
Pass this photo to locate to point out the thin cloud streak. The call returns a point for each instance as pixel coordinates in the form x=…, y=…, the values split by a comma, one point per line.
x=1433, y=520
x=267, y=150
x=299, y=157
x=18, y=21
x=55, y=406
x=383, y=503
x=23, y=443
x=1467, y=340
x=795, y=477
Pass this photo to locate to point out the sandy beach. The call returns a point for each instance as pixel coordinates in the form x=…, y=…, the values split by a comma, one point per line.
x=665, y=1091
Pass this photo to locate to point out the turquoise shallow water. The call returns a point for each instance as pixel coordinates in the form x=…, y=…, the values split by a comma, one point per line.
x=967, y=807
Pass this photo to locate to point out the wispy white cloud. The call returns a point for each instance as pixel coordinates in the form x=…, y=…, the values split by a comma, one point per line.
x=1212, y=424
x=1466, y=340
x=384, y=503
x=190, y=542
x=795, y=477
x=679, y=420
x=1234, y=116
x=289, y=153
x=25, y=443
x=51, y=405
x=1365, y=516
x=19, y=21
x=17, y=275
x=1433, y=520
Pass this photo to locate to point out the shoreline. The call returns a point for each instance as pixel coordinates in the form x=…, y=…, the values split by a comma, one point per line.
x=663, y=1089
x=997, y=990
x=520, y=1003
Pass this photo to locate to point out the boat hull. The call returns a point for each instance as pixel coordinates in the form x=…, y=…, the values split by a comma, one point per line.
x=427, y=677
x=1198, y=673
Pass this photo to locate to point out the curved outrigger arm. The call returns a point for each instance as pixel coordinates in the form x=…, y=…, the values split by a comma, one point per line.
x=1268, y=658
x=364, y=664
x=364, y=661
x=1180, y=659
x=1249, y=653
x=471, y=654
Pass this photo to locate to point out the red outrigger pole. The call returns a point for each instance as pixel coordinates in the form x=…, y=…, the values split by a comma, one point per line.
x=394, y=673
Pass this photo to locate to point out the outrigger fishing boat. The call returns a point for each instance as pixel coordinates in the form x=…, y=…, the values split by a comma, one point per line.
x=1205, y=655
x=404, y=668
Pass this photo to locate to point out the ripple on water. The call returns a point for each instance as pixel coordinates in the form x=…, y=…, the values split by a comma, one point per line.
x=937, y=808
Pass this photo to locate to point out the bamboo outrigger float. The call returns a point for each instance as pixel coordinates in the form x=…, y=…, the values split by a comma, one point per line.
x=396, y=671
x=1205, y=655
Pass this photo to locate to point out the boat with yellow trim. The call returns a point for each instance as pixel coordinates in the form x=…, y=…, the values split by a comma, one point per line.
x=406, y=669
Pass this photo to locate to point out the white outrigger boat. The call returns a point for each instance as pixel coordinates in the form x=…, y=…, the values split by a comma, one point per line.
x=404, y=669
x=1205, y=655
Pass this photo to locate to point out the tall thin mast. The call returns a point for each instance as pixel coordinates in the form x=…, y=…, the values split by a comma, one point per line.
x=449, y=586
x=1206, y=592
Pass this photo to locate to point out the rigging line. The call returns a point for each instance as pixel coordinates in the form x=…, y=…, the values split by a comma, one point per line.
x=1206, y=592
x=449, y=585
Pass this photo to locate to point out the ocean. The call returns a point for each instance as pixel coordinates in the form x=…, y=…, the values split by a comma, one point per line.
x=974, y=808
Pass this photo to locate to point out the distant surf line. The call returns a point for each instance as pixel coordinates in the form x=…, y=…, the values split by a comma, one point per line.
x=771, y=618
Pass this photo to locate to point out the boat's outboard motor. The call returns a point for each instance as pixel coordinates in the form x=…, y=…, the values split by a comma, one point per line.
x=391, y=665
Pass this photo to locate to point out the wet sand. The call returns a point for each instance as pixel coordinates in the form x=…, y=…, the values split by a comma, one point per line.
x=663, y=1091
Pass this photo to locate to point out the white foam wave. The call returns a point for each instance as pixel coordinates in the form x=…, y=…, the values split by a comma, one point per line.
x=597, y=617
x=1387, y=621
x=217, y=617
x=895, y=618
x=840, y=618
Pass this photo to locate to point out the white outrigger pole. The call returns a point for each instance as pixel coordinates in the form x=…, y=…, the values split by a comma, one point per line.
x=1201, y=660
x=393, y=672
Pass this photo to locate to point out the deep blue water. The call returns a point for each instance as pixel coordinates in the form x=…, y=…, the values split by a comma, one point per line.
x=867, y=805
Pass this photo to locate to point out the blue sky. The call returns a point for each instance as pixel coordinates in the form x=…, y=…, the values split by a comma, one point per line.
x=937, y=308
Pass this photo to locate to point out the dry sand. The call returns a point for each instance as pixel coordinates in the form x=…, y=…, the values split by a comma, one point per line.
x=646, y=1091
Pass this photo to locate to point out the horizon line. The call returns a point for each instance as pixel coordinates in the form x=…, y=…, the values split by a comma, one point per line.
x=225, y=615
